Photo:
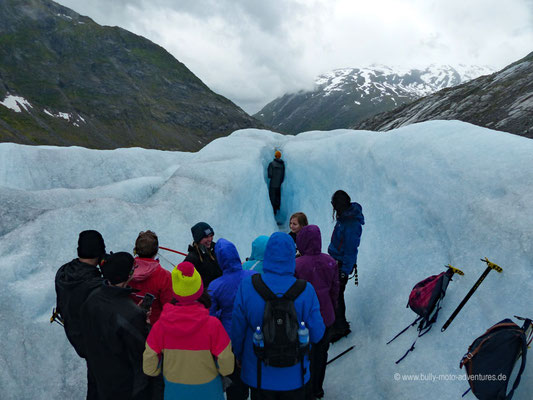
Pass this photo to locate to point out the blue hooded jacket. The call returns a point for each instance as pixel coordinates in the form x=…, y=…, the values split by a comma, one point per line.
x=346, y=237
x=278, y=275
x=255, y=262
x=224, y=288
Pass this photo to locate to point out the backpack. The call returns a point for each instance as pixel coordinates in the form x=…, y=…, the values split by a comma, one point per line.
x=424, y=299
x=492, y=356
x=280, y=325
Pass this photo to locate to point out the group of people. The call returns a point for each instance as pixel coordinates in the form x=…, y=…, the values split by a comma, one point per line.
x=197, y=337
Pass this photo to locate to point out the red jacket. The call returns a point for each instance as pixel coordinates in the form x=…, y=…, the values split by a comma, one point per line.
x=150, y=277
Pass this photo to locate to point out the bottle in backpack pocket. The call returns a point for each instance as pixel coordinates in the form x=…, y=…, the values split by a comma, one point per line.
x=258, y=338
x=303, y=335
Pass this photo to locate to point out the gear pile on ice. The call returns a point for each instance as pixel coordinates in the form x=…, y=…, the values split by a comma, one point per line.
x=425, y=299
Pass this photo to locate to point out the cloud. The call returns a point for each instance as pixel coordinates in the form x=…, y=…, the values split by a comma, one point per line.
x=252, y=51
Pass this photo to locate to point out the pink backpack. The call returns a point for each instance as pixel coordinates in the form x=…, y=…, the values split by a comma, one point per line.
x=425, y=300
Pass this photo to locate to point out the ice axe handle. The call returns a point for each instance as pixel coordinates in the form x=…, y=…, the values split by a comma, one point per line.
x=490, y=266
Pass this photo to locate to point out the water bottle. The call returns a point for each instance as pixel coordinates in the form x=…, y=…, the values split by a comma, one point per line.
x=258, y=338
x=303, y=335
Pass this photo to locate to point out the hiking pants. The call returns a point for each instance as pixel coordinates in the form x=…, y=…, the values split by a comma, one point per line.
x=340, y=311
x=238, y=390
x=92, y=391
x=275, y=197
x=319, y=358
x=302, y=393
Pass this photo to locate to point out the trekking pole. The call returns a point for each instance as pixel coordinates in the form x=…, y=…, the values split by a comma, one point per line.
x=166, y=259
x=174, y=251
x=340, y=355
x=490, y=266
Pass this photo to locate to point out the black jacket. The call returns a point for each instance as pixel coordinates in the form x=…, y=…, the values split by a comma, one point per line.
x=276, y=172
x=115, y=332
x=74, y=282
x=205, y=262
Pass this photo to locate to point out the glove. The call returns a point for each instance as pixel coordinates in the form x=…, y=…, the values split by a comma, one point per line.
x=343, y=278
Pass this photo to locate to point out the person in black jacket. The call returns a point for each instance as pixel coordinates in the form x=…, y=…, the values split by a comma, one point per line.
x=74, y=281
x=276, y=174
x=202, y=253
x=115, y=331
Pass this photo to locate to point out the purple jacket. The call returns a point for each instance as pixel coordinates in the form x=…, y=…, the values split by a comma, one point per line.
x=319, y=269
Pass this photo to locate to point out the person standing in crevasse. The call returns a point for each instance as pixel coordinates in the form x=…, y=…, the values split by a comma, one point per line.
x=344, y=246
x=276, y=174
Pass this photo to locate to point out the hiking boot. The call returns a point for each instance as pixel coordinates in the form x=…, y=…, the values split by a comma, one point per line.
x=338, y=333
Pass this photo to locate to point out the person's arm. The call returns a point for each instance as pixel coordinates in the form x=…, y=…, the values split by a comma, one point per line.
x=221, y=349
x=313, y=320
x=282, y=173
x=335, y=246
x=165, y=292
x=334, y=284
x=152, y=352
x=270, y=171
x=352, y=238
x=215, y=307
x=238, y=324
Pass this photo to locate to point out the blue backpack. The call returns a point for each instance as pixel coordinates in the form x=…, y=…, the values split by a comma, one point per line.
x=491, y=358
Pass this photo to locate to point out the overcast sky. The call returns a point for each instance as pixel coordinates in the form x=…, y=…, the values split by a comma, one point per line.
x=252, y=51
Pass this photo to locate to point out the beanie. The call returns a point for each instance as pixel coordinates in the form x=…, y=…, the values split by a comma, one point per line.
x=200, y=231
x=187, y=283
x=90, y=244
x=277, y=154
x=118, y=267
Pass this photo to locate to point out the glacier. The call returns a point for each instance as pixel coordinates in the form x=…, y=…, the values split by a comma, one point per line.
x=434, y=193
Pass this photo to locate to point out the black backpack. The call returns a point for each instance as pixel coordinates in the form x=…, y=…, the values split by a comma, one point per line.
x=280, y=325
x=491, y=358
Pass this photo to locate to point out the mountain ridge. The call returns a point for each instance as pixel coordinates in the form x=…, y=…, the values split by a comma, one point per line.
x=345, y=96
x=501, y=101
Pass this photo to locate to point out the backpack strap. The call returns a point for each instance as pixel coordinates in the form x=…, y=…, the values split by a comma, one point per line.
x=522, y=367
x=261, y=288
x=295, y=290
x=403, y=331
x=264, y=291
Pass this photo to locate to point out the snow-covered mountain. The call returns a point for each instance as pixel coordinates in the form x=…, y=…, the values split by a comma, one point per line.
x=502, y=101
x=343, y=97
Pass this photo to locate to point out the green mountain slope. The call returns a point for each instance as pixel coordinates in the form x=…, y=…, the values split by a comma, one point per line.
x=100, y=87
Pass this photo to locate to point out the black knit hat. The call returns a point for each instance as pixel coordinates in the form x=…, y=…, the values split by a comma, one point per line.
x=118, y=266
x=340, y=201
x=200, y=231
x=91, y=244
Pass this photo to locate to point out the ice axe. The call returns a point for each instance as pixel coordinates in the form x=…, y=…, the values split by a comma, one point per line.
x=490, y=266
